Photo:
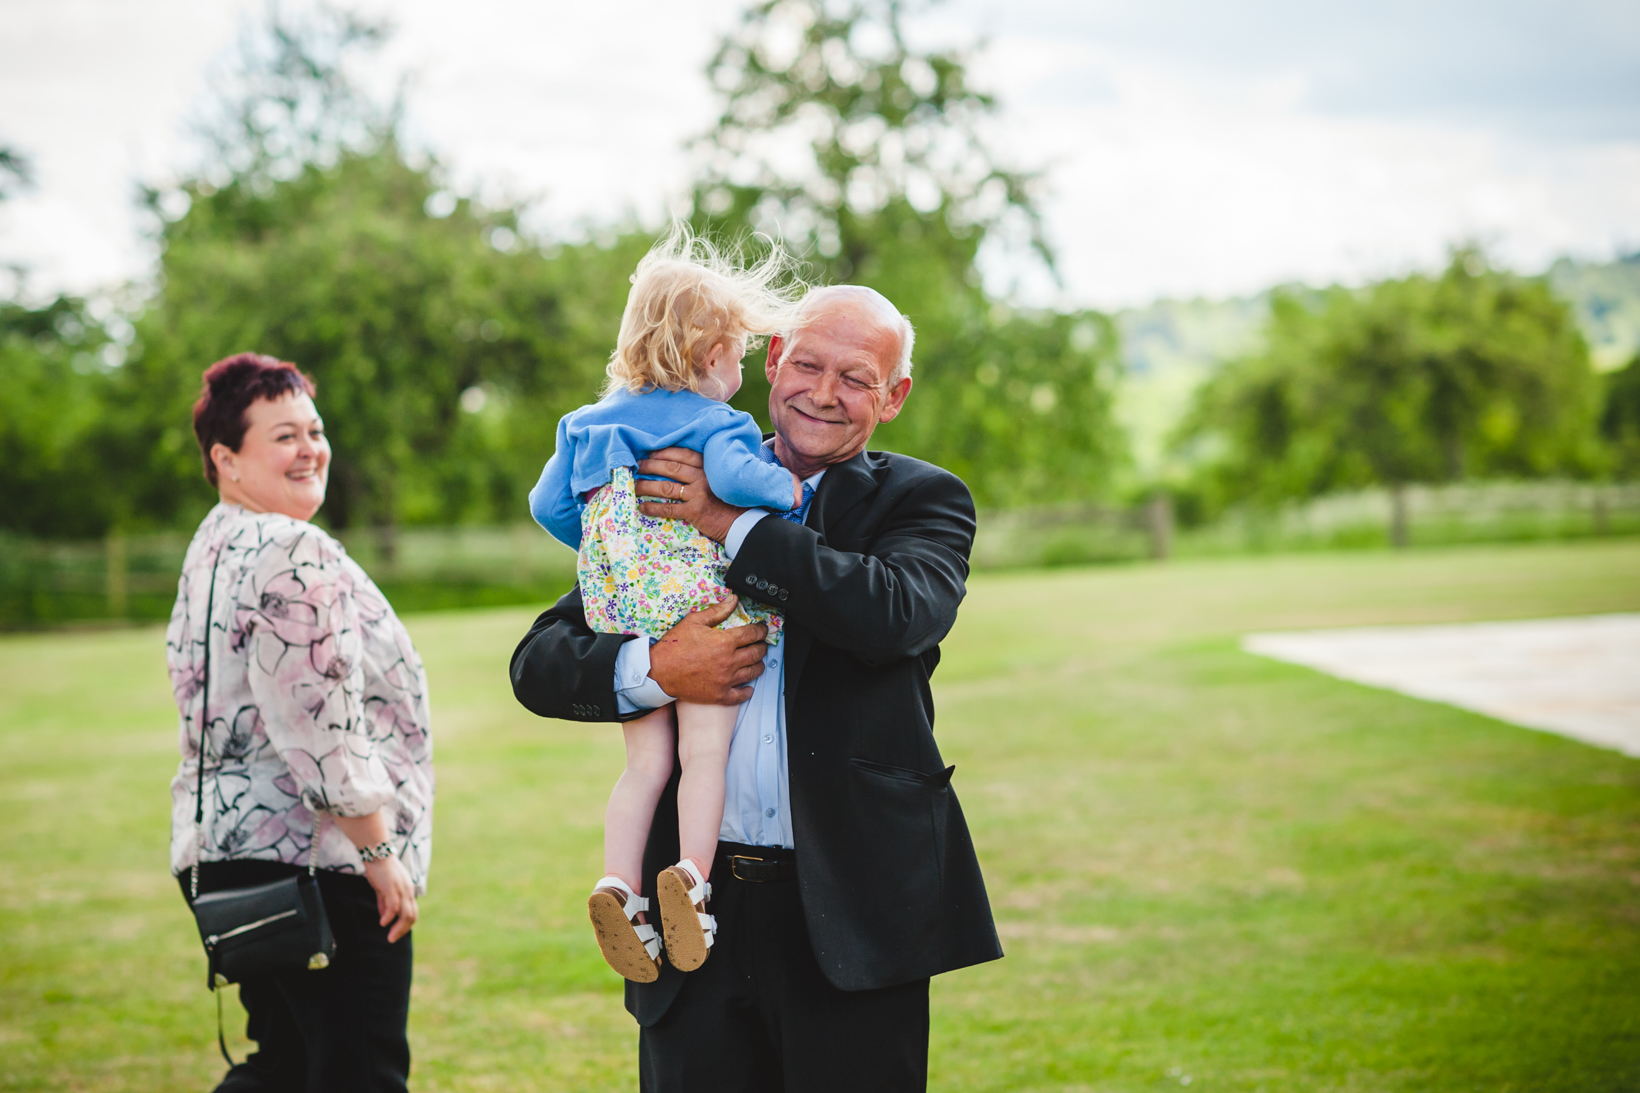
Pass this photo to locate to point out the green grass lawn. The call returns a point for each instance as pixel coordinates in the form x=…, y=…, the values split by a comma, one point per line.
x=1205, y=866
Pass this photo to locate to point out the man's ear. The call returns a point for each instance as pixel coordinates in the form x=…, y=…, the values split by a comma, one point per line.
x=772, y=364
x=896, y=400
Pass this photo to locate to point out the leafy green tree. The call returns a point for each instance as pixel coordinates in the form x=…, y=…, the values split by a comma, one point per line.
x=867, y=157
x=55, y=360
x=444, y=345
x=1620, y=418
x=16, y=171
x=1423, y=379
x=52, y=405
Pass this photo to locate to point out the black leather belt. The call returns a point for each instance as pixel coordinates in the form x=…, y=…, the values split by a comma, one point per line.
x=759, y=864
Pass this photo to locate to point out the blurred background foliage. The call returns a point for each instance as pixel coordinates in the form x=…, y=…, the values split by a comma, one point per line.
x=447, y=338
x=868, y=158
x=1472, y=373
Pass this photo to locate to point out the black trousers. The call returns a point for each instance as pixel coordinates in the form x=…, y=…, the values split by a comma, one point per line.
x=759, y=1017
x=340, y=1029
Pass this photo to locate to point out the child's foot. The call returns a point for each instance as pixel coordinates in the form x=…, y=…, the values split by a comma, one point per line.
x=682, y=892
x=629, y=946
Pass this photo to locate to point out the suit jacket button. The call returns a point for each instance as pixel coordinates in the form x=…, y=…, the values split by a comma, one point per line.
x=751, y=579
x=784, y=592
x=762, y=585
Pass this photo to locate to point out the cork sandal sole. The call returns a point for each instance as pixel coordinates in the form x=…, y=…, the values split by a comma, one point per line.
x=622, y=948
x=686, y=944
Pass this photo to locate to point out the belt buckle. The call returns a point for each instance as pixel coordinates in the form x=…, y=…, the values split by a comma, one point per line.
x=734, y=867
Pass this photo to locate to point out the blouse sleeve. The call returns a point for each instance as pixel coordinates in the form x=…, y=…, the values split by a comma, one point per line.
x=304, y=648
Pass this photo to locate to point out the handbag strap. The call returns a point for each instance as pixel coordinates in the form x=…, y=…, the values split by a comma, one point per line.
x=204, y=716
x=204, y=721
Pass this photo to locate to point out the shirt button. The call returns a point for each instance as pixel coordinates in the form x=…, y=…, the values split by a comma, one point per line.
x=769, y=812
x=774, y=662
x=768, y=739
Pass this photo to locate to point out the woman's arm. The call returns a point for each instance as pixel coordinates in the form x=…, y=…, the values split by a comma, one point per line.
x=305, y=653
x=395, y=894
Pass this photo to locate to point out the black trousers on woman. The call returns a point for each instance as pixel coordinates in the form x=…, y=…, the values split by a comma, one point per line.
x=330, y=1031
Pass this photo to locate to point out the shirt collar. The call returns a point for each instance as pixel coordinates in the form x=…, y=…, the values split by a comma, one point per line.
x=767, y=452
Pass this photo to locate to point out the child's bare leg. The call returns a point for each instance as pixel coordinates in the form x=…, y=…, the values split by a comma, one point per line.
x=632, y=801
x=704, y=733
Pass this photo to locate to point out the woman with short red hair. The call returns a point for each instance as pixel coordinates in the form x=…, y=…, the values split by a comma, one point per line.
x=315, y=746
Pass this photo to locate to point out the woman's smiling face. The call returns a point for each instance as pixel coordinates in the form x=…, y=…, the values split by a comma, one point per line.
x=282, y=464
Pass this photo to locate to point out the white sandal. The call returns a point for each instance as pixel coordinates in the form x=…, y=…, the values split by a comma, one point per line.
x=682, y=892
x=629, y=946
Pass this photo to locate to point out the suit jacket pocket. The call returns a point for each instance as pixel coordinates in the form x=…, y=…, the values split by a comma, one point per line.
x=938, y=778
x=897, y=820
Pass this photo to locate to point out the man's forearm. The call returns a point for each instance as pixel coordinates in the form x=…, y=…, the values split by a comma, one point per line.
x=897, y=600
x=635, y=691
x=563, y=669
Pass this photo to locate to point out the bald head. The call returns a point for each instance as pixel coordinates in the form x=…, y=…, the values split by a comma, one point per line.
x=864, y=309
x=842, y=370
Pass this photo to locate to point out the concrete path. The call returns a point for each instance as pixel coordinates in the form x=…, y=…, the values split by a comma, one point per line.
x=1576, y=677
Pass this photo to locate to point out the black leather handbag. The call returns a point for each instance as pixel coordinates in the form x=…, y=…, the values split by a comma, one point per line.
x=265, y=928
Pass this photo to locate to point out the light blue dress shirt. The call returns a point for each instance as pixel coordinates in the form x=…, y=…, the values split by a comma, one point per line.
x=757, y=800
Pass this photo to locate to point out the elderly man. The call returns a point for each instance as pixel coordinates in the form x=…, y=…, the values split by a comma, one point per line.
x=845, y=877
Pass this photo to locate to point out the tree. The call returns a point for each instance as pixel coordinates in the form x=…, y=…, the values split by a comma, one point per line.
x=444, y=345
x=16, y=172
x=55, y=359
x=52, y=405
x=1422, y=379
x=867, y=157
x=1620, y=418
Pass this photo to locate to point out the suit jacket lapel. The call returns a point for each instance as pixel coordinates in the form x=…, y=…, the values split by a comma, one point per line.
x=843, y=487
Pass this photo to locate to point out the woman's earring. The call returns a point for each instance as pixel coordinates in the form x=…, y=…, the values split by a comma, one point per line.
x=236, y=478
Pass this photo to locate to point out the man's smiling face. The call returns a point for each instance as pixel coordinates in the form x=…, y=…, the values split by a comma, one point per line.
x=829, y=381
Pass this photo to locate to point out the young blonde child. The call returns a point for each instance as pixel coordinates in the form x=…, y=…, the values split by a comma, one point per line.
x=687, y=323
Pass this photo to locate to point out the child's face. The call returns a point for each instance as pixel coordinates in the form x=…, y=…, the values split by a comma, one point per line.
x=721, y=377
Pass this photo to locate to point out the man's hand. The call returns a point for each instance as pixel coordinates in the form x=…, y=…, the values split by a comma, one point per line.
x=689, y=496
x=695, y=662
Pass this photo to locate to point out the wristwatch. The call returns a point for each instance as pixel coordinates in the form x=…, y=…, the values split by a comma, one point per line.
x=380, y=852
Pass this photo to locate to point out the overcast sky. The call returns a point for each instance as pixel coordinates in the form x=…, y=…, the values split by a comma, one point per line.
x=1192, y=147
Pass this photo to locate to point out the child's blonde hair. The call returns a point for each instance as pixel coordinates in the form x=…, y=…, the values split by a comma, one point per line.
x=688, y=297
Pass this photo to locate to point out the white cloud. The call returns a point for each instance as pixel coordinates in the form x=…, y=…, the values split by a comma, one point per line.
x=1170, y=182
x=1188, y=153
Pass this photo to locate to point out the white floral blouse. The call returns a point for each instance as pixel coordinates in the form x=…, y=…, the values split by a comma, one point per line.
x=318, y=700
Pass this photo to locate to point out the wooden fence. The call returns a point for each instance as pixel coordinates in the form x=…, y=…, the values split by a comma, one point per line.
x=133, y=577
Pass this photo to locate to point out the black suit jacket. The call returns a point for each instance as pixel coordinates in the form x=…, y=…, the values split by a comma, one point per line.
x=869, y=585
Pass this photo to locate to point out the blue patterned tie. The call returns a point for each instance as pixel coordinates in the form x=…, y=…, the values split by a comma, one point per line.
x=798, y=514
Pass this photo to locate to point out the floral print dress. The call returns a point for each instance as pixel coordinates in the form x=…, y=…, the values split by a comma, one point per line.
x=318, y=700
x=640, y=575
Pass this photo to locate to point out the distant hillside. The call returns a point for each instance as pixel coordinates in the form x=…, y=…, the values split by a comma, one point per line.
x=1171, y=346
x=1607, y=299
